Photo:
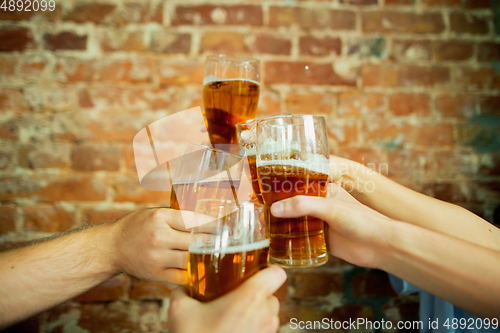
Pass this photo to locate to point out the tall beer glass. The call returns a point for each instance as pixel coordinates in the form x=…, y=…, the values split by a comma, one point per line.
x=247, y=132
x=204, y=173
x=230, y=95
x=227, y=251
x=292, y=159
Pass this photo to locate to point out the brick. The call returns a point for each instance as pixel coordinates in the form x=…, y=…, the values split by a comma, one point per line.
x=478, y=4
x=453, y=50
x=66, y=40
x=444, y=3
x=342, y=133
x=372, y=283
x=270, y=44
x=93, y=12
x=360, y=104
x=32, y=68
x=8, y=216
x=224, y=42
x=95, y=158
x=73, y=189
x=490, y=105
x=74, y=70
x=9, y=128
x=48, y=218
x=16, y=39
x=455, y=105
x=93, y=216
x=312, y=18
x=6, y=157
x=367, y=47
x=10, y=99
x=136, y=12
x=148, y=290
x=480, y=78
x=348, y=312
x=55, y=155
x=385, y=75
x=110, y=290
x=213, y=15
x=447, y=191
x=161, y=99
x=110, y=98
x=398, y=2
x=435, y=135
x=8, y=65
x=317, y=284
x=448, y=164
x=489, y=164
x=170, y=43
x=84, y=99
x=128, y=189
x=403, y=22
x=303, y=102
x=180, y=73
x=488, y=52
x=269, y=103
x=424, y=76
x=403, y=104
x=49, y=98
x=402, y=311
x=121, y=40
x=411, y=50
x=304, y=73
x=480, y=132
x=359, y=2
x=403, y=160
x=388, y=135
x=309, y=45
x=468, y=24
x=137, y=69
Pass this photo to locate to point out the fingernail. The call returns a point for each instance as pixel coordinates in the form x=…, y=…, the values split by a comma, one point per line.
x=277, y=209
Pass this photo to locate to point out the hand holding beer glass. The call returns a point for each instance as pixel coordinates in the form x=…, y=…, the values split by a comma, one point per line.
x=230, y=95
x=228, y=250
x=293, y=159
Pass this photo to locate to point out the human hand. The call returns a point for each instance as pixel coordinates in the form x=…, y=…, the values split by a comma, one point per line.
x=353, y=231
x=151, y=244
x=249, y=308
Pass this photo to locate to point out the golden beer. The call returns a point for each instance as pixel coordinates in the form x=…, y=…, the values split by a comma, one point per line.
x=213, y=273
x=228, y=102
x=300, y=238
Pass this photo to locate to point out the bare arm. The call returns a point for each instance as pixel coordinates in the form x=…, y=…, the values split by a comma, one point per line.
x=150, y=244
x=403, y=204
x=460, y=272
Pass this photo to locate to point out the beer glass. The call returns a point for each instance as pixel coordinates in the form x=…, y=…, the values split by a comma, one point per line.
x=227, y=251
x=204, y=173
x=230, y=95
x=292, y=159
x=247, y=132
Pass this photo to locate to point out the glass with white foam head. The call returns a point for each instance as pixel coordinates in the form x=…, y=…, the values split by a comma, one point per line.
x=231, y=90
x=293, y=159
x=229, y=245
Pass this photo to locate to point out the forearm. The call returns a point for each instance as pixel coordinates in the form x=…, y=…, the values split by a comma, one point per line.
x=38, y=277
x=460, y=272
x=403, y=204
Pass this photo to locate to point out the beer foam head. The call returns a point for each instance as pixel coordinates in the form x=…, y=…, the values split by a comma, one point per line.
x=213, y=78
x=211, y=247
x=290, y=154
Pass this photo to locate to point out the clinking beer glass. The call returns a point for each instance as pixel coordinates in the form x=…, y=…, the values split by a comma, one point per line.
x=293, y=159
x=228, y=250
x=230, y=95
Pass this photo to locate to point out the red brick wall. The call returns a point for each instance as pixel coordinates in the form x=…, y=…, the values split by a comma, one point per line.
x=411, y=83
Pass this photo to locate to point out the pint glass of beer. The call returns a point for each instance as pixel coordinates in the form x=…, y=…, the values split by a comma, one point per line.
x=247, y=132
x=204, y=173
x=292, y=159
x=230, y=95
x=227, y=251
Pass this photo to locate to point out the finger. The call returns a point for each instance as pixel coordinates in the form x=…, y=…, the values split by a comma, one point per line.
x=273, y=305
x=175, y=218
x=176, y=259
x=338, y=192
x=178, y=240
x=323, y=208
x=268, y=280
x=175, y=276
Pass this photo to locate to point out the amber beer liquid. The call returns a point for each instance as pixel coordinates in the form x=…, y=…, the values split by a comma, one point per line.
x=294, y=240
x=185, y=195
x=228, y=102
x=213, y=273
x=255, y=181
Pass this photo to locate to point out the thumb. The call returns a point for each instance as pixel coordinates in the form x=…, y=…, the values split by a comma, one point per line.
x=268, y=280
x=179, y=293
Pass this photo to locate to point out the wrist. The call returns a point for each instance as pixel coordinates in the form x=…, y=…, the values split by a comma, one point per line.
x=103, y=237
